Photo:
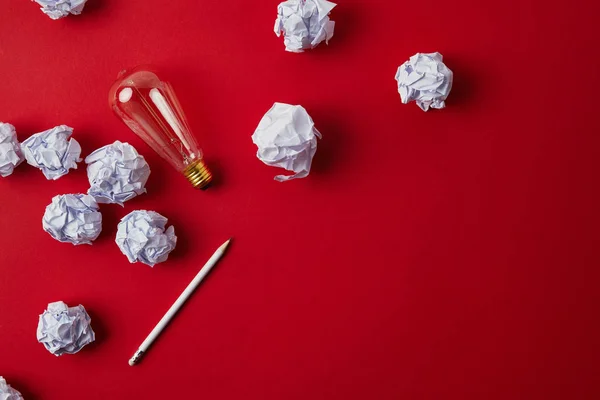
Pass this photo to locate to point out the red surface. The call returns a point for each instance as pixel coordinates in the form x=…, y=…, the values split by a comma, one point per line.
x=443, y=255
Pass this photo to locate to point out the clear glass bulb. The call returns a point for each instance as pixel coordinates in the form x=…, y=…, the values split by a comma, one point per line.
x=150, y=108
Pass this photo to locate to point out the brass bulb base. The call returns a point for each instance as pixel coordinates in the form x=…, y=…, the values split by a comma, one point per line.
x=198, y=174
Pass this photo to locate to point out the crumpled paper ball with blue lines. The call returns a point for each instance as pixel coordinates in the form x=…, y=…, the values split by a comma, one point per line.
x=10, y=151
x=142, y=236
x=52, y=151
x=64, y=330
x=117, y=173
x=73, y=218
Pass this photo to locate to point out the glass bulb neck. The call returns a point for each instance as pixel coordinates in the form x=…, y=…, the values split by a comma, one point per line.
x=198, y=174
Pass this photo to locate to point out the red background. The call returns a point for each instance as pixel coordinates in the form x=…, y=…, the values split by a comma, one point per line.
x=443, y=255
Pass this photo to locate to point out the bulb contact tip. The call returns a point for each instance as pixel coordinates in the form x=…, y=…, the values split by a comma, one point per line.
x=198, y=174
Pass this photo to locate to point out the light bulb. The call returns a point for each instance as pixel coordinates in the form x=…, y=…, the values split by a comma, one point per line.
x=149, y=107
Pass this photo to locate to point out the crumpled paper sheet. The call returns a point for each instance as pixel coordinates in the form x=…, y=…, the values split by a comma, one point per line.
x=286, y=137
x=63, y=329
x=117, y=173
x=141, y=236
x=425, y=79
x=73, y=218
x=52, y=151
x=57, y=9
x=7, y=392
x=10, y=151
x=304, y=23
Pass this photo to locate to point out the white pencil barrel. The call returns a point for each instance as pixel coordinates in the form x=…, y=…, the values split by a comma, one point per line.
x=187, y=292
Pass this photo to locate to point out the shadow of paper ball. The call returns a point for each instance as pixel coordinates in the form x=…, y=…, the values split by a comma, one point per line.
x=89, y=137
x=22, y=387
x=333, y=148
x=100, y=331
x=93, y=6
x=348, y=24
x=110, y=220
x=466, y=83
x=185, y=235
x=160, y=171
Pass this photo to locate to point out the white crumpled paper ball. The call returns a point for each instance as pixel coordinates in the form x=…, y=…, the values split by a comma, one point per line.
x=286, y=137
x=116, y=173
x=57, y=9
x=73, y=218
x=425, y=79
x=52, y=151
x=7, y=392
x=63, y=329
x=141, y=236
x=10, y=151
x=304, y=23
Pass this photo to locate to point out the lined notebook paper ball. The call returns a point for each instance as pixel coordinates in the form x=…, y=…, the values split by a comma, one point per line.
x=73, y=218
x=10, y=150
x=117, y=173
x=143, y=237
x=64, y=330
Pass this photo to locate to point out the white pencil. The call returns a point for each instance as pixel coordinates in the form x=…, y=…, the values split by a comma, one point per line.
x=178, y=303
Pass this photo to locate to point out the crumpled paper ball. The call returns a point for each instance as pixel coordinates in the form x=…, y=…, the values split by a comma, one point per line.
x=116, y=173
x=286, y=137
x=57, y=9
x=73, y=218
x=425, y=79
x=10, y=151
x=63, y=329
x=52, y=151
x=304, y=23
x=7, y=392
x=141, y=236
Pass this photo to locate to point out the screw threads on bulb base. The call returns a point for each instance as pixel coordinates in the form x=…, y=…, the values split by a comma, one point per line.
x=198, y=174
